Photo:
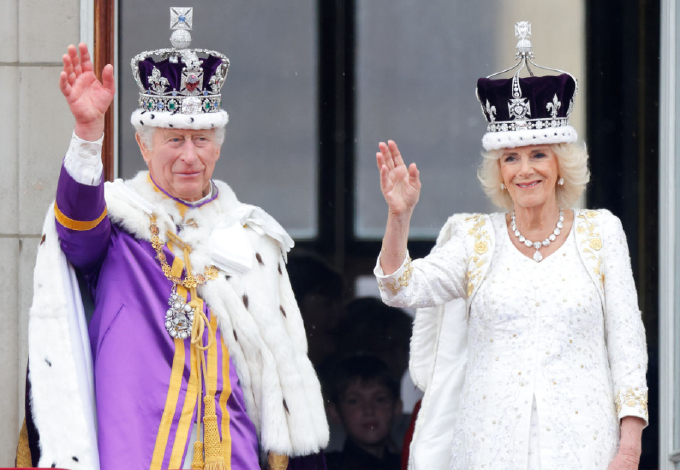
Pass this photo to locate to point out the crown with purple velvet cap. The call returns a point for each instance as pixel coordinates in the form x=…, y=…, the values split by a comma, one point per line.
x=180, y=87
x=527, y=111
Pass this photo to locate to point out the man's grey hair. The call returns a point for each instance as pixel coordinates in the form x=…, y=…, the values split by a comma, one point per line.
x=146, y=134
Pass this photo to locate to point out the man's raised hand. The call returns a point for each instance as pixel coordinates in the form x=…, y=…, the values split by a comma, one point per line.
x=87, y=97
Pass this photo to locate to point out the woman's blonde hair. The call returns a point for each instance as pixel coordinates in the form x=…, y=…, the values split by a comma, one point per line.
x=572, y=162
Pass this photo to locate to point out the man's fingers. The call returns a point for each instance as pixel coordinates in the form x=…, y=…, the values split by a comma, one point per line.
x=73, y=52
x=64, y=85
x=107, y=78
x=85, y=61
x=68, y=65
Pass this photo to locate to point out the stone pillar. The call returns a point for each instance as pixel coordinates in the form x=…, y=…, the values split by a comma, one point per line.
x=35, y=128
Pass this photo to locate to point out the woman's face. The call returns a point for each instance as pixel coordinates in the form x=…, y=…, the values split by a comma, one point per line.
x=530, y=174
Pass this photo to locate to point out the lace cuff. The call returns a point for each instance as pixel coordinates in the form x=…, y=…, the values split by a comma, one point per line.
x=632, y=402
x=83, y=160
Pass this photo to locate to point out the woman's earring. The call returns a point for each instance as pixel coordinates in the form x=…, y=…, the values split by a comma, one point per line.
x=560, y=182
x=502, y=186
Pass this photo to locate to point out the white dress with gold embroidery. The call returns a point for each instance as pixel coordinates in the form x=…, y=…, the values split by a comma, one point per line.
x=550, y=371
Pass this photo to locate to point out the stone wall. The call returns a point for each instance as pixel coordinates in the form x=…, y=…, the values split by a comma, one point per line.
x=35, y=128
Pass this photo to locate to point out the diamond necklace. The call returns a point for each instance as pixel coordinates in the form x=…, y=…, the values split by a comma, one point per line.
x=538, y=245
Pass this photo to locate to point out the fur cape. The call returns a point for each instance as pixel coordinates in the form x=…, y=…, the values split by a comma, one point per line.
x=256, y=310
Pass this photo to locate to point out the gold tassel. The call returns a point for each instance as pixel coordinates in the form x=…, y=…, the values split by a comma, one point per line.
x=214, y=460
x=23, y=458
x=197, y=462
x=277, y=461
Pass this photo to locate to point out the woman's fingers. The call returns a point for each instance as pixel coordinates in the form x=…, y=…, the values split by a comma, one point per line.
x=384, y=178
x=394, y=151
x=384, y=149
x=413, y=175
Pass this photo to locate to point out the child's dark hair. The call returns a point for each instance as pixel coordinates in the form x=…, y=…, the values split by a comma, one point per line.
x=366, y=369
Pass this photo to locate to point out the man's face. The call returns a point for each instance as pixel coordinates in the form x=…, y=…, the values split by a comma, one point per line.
x=367, y=410
x=182, y=161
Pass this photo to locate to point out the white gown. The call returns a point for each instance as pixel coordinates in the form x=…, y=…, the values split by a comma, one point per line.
x=545, y=360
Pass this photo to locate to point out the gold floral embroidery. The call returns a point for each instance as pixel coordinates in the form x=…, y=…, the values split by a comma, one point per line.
x=481, y=247
x=592, y=242
x=632, y=399
x=596, y=244
x=395, y=286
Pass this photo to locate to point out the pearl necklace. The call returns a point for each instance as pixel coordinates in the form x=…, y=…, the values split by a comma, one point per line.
x=538, y=257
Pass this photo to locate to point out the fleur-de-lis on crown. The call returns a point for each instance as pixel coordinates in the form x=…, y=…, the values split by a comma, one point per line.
x=491, y=111
x=554, y=106
x=157, y=82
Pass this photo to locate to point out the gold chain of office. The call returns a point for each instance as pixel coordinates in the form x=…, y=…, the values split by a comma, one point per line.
x=190, y=281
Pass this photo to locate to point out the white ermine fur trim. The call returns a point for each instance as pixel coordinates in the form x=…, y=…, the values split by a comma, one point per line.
x=512, y=139
x=61, y=402
x=140, y=117
x=258, y=317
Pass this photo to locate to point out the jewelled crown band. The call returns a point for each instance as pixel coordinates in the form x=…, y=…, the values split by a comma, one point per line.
x=527, y=111
x=178, y=86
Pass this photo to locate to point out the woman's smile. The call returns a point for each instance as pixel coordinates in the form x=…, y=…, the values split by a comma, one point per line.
x=529, y=185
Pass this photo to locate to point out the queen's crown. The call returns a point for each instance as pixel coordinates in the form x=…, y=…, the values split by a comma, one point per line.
x=178, y=79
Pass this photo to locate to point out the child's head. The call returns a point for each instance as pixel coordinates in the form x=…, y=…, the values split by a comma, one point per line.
x=365, y=399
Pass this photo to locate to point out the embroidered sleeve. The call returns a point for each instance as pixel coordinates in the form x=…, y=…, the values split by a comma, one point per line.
x=625, y=333
x=434, y=280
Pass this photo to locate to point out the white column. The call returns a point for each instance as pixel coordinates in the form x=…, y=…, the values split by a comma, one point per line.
x=668, y=455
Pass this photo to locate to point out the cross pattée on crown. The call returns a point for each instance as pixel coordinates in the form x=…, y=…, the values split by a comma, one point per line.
x=523, y=32
x=181, y=18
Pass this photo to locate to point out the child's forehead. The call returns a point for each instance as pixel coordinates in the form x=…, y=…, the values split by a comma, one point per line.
x=368, y=385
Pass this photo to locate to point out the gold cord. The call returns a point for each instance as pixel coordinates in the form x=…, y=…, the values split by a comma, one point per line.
x=212, y=448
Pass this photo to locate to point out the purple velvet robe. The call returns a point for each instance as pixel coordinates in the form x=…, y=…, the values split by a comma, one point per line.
x=141, y=423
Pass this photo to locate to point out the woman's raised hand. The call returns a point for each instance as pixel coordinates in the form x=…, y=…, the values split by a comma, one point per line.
x=399, y=184
x=87, y=97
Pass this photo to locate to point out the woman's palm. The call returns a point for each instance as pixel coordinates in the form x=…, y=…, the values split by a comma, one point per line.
x=400, y=194
x=399, y=184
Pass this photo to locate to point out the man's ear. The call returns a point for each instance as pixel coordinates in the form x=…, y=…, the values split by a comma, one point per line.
x=146, y=153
